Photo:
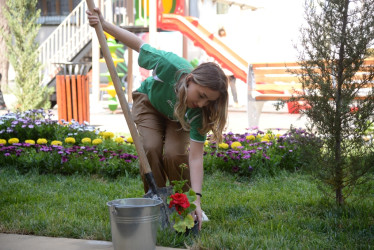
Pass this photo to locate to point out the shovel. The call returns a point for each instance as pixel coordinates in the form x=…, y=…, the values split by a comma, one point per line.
x=154, y=191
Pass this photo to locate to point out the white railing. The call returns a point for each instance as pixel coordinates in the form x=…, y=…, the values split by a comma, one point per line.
x=68, y=39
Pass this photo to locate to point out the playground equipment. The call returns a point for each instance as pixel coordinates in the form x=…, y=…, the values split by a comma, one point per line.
x=170, y=16
x=113, y=46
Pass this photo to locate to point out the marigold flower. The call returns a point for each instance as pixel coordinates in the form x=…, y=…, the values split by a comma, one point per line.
x=56, y=143
x=250, y=137
x=41, y=141
x=130, y=140
x=108, y=135
x=30, y=141
x=86, y=140
x=97, y=141
x=235, y=145
x=13, y=140
x=119, y=140
x=70, y=140
x=223, y=145
x=268, y=137
x=2, y=141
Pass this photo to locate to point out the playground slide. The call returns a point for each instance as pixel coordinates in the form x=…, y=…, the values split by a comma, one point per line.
x=202, y=38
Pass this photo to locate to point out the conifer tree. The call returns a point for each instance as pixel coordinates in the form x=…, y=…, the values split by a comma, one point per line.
x=335, y=41
x=23, y=54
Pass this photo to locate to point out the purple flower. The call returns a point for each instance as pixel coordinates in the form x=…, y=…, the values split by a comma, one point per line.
x=64, y=159
x=7, y=154
x=235, y=169
x=250, y=169
x=31, y=126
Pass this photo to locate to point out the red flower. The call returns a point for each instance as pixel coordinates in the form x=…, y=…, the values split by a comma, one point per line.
x=354, y=110
x=180, y=201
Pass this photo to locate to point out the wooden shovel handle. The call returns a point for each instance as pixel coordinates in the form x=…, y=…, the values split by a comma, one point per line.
x=144, y=164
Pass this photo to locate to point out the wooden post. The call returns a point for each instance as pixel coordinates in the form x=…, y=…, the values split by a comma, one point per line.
x=74, y=96
x=80, y=100
x=68, y=98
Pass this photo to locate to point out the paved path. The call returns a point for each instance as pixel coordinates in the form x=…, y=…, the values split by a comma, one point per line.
x=237, y=122
x=30, y=242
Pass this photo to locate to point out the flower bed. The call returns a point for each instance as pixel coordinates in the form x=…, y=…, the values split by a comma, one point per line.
x=32, y=140
x=256, y=152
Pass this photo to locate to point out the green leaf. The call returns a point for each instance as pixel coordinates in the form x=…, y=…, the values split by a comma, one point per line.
x=191, y=195
x=189, y=222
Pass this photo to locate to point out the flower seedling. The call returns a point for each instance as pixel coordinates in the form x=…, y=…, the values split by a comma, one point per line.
x=183, y=204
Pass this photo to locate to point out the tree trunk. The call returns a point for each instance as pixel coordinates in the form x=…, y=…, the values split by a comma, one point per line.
x=4, y=62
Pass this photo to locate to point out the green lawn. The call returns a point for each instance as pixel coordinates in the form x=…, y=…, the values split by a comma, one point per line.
x=283, y=212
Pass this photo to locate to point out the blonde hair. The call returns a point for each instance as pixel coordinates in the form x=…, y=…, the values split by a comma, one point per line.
x=215, y=113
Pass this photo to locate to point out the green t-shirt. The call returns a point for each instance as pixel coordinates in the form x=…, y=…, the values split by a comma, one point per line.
x=167, y=69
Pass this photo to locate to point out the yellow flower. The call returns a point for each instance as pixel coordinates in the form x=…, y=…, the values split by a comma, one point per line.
x=206, y=143
x=258, y=136
x=223, y=145
x=108, y=135
x=130, y=140
x=278, y=135
x=70, y=140
x=235, y=145
x=265, y=140
x=2, y=141
x=30, y=141
x=119, y=140
x=250, y=137
x=56, y=143
x=97, y=141
x=101, y=133
x=13, y=140
x=41, y=141
x=268, y=136
x=86, y=140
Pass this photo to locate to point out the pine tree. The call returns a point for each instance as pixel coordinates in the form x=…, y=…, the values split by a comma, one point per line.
x=334, y=44
x=23, y=54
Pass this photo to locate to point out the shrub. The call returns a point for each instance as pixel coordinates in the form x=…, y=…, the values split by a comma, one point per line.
x=256, y=152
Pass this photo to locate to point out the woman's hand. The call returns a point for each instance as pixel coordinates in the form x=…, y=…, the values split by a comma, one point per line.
x=198, y=213
x=95, y=19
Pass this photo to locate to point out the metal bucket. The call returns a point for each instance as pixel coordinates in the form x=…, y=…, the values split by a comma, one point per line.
x=134, y=222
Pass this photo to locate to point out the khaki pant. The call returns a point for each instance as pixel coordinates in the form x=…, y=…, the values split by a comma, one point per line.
x=164, y=141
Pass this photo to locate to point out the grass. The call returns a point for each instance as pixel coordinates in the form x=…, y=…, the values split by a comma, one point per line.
x=283, y=212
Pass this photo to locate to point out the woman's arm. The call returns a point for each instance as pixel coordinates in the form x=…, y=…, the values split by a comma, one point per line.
x=125, y=36
x=197, y=174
